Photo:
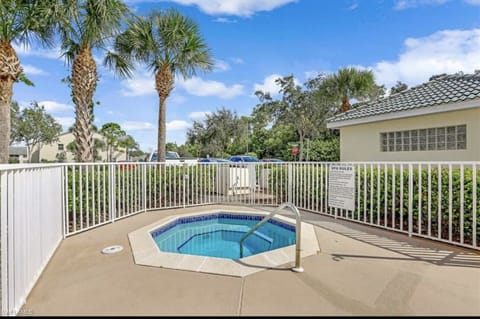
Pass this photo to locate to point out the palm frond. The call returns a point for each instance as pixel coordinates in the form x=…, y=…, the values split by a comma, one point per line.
x=120, y=64
x=23, y=21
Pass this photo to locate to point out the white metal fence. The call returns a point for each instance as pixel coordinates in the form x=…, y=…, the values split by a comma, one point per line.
x=439, y=201
x=41, y=204
x=435, y=200
x=31, y=228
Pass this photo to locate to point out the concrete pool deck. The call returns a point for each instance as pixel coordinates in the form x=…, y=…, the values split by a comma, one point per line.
x=360, y=270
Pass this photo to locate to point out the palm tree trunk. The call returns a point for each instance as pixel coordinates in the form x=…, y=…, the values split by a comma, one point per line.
x=163, y=85
x=84, y=82
x=162, y=130
x=9, y=72
x=345, y=105
x=6, y=92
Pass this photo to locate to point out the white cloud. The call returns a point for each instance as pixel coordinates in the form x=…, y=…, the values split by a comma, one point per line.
x=142, y=84
x=137, y=126
x=270, y=86
x=177, y=99
x=65, y=121
x=353, y=6
x=311, y=74
x=237, y=60
x=199, y=87
x=32, y=70
x=408, y=4
x=221, y=66
x=54, y=53
x=98, y=59
x=225, y=20
x=198, y=115
x=52, y=106
x=243, y=8
x=447, y=51
x=177, y=125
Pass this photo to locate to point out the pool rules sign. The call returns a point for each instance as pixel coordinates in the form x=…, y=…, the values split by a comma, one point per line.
x=341, y=186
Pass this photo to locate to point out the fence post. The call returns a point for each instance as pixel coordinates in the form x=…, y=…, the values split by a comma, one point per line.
x=185, y=179
x=64, y=184
x=144, y=186
x=410, y=200
x=289, y=183
x=4, y=242
x=111, y=205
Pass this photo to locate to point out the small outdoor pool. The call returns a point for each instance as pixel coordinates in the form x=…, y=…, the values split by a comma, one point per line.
x=219, y=234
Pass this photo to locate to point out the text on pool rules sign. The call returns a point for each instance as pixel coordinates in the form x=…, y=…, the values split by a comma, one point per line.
x=341, y=186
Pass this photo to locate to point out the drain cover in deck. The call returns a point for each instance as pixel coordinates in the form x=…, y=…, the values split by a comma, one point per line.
x=112, y=249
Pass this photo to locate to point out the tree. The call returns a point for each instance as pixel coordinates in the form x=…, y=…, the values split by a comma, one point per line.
x=348, y=83
x=399, y=87
x=169, y=44
x=114, y=135
x=36, y=127
x=98, y=146
x=61, y=157
x=300, y=109
x=325, y=149
x=86, y=25
x=129, y=143
x=20, y=22
x=216, y=133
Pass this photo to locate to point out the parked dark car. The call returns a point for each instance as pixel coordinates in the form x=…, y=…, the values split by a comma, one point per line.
x=213, y=160
x=243, y=158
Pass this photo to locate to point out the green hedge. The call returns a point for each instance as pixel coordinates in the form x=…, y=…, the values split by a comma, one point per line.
x=168, y=181
x=164, y=185
x=83, y=196
x=374, y=187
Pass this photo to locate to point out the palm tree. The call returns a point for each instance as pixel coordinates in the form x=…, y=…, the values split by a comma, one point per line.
x=88, y=25
x=169, y=44
x=20, y=21
x=129, y=143
x=346, y=84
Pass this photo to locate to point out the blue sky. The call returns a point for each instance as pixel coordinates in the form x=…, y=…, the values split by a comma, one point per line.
x=256, y=41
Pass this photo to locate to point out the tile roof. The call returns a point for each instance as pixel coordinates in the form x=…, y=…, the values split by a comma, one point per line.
x=441, y=89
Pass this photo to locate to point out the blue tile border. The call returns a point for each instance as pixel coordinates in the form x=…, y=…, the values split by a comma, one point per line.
x=192, y=219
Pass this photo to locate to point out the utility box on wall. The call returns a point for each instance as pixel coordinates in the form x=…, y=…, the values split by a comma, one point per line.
x=234, y=180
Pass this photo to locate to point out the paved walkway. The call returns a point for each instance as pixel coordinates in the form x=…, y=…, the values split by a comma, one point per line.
x=360, y=270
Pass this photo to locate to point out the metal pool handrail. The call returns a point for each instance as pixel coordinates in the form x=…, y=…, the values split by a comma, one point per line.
x=298, y=227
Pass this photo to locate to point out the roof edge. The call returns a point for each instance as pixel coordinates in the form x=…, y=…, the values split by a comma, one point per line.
x=434, y=109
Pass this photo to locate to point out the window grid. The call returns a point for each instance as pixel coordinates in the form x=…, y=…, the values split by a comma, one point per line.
x=431, y=139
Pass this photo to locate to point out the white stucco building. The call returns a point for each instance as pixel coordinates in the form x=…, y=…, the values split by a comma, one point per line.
x=435, y=121
x=49, y=152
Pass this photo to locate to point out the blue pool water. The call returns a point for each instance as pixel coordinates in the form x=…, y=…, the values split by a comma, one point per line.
x=219, y=234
